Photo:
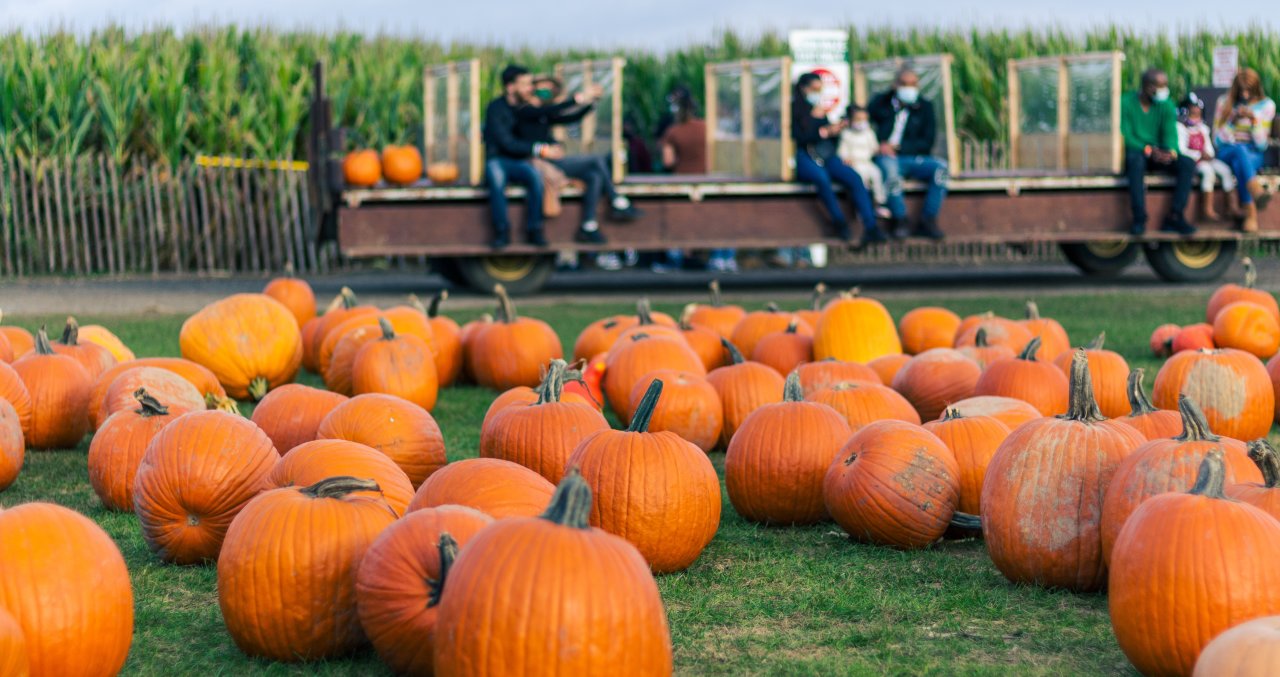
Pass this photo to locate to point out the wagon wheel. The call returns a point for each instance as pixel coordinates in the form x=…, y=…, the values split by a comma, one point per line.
x=1191, y=260
x=519, y=273
x=1103, y=258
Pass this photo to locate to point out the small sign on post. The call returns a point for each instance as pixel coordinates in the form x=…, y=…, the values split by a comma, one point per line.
x=1226, y=60
x=825, y=52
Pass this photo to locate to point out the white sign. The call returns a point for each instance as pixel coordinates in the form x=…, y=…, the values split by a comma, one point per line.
x=1226, y=60
x=825, y=52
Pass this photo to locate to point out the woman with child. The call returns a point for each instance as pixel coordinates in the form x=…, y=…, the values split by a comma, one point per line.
x=1242, y=127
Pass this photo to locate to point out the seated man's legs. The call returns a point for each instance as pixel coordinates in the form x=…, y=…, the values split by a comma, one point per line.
x=592, y=169
x=1135, y=170
x=933, y=171
x=521, y=172
x=495, y=181
x=892, y=186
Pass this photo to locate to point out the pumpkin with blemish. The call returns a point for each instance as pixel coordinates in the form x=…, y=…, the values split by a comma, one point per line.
x=1008, y=410
x=1230, y=386
x=815, y=376
x=1264, y=495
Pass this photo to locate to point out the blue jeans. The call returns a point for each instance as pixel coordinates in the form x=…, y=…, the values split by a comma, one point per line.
x=499, y=172
x=822, y=176
x=920, y=167
x=1245, y=160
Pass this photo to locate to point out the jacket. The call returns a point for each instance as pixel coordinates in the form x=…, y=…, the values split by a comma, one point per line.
x=499, y=132
x=921, y=128
x=534, y=123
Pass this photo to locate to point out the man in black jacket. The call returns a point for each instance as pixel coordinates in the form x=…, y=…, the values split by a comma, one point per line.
x=906, y=127
x=507, y=159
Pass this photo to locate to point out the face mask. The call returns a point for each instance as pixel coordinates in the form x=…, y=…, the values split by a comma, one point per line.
x=859, y=126
x=674, y=108
x=1161, y=94
x=908, y=95
x=542, y=94
x=814, y=98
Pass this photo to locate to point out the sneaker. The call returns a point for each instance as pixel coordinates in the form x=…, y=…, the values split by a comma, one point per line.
x=500, y=241
x=608, y=261
x=1178, y=225
x=629, y=213
x=536, y=238
x=730, y=265
x=929, y=228
x=872, y=236
x=590, y=237
x=884, y=213
x=630, y=257
x=901, y=232
x=1138, y=228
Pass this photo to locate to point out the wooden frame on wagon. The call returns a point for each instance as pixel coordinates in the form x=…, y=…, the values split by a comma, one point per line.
x=453, y=75
x=941, y=62
x=585, y=143
x=1063, y=157
x=745, y=71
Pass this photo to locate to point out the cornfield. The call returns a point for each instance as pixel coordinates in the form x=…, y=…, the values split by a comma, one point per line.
x=162, y=96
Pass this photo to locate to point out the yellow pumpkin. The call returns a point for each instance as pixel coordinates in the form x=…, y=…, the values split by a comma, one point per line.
x=855, y=329
x=96, y=333
x=251, y=342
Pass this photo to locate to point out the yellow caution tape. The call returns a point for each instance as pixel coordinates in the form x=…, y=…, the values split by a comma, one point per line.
x=249, y=163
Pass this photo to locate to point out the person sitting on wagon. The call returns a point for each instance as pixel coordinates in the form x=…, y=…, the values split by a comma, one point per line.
x=684, y=151
x=858, y=146
x=1243, y=125
x=507, y=159
x=907, y=128
x=1196, y=142
x=1148, y=123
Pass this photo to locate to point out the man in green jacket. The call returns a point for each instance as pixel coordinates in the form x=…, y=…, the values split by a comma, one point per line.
x=1148, y=123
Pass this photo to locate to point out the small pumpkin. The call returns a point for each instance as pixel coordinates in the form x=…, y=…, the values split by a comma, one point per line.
x=815, y=376
x=783, y=351
x=935, y=378
x=396, y=364
x=1153, y=423
x=1247, y=326
x=1264, y=495
x=973, y=441
x=204, y=380
x=813, y=313
x=321, y=459
x=59, y=388
x=442, y=173
x=100, y=335
x=927, y=327
x=638, y=355
x=1229, y=293
x=757, y=324
x=448, y=342
x=12, y=445
x=855, y=329
x=493, y=486
x=250, y=341
x=294, y=293
x=402, y=430
x=1000, y=331
x=984, y=353
x=94, y=358
x=743, y=387
x=524, y=395
x=1008, y=410
x=405, y=319
x=703, y=341
x=511, y=350
x=117, y=449
x=1039, y=383
x=718, y=316
x=15, y=392
x=401, y=165
x=1231, y=387
x=862, y=403
x=1251, y=648
x=1193, y=337
x=1162, y=339
x=601, y=335
x=290, y=415
x=362, y=168
x=888, y=366
x=1110, y=375
x=1054, y=341
x=337, y=375
x=690, y=406
x=20, y=340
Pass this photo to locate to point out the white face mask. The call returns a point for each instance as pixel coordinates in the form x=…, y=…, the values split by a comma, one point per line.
x=1161, y=94
x=908, y=95
x=674, y=108
x=859, y=126
x=814, y=98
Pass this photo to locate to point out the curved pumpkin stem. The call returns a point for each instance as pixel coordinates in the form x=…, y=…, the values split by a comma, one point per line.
x=220, y=403
x=644, y=410
x=685, y=315
x=388, y=332
x=963, y=520
x=448, y=553
x=552, y=387
x=258, y=388
x=980, y=338
x=1033, y=310
x=792, y=391
x=644, y=311
x=43, y=347
x=506, y=309
x=571, y=504
x=819, y=291
x=1194, y=426
x=1268, y=461
x=348, y=297
x=716, y=301
x=1138, y=402
x=149, y=406
x=1212, y=477
x=735, y=355
x=1082, y=407
x=791, y=326
x=1097, y=342
x=1029, y=352
x=339, y=487
x=951, y=414
x=70, y=333
x=1250, y=272
x=433, y=309
x=416, y=303
x=772, y=307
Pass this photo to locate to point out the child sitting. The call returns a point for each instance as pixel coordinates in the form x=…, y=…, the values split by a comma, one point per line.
x=858, y=145
x=1196, y=142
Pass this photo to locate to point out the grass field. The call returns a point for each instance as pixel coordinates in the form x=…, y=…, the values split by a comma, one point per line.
x=759, y=600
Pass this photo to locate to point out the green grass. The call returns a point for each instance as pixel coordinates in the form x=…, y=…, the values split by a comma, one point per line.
x=759, y=600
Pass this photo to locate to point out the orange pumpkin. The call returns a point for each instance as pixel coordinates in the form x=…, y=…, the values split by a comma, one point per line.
x=638, y=355
x=984, y=353
x=59, y=389
x=404, y=319
x=1264, y=495
x=493, y=486
x=1231, y=387
x=400, y=365
x=1054, y=341
x=94, y=358
x=294, y=294
x=743, y=387
x=999, y=332
x=1251, y=648
x=1110, y=376
x=717, y=316
x=760, y=323
x=862, y=403
x=888, y=366
x=973, y=441
x=855, y=329
x=690, y=406
x=448, y=342
x=704, y=342
x=314, y=461
x=117, y=449
x=250, y=341
x=401, y=165
x=815, y=376
x=1193, y=337
x=1040, y=383
x=12, y=445
x=442, y=173
x=343, y=307
x=511, y=350
x=651, y=323
x=783, y=351
x=1247, y=326
x=20, y=340
x=402, y=430
x=290, y=415
x=1008, y=410
x=1230, y=293
x=928, y=327
x=178, y=395
x=204, y=380
x=524, y=395
x=1162, y=340
x=362, y=168
x=1153, y=423
x=337, y=375
x=935, y=378
x=96, y=333
x=15, y=391
x=13, y=647
x=601, y=335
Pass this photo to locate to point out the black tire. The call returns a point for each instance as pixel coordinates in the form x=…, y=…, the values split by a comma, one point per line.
x=520, y=274
x=1101, y=259
x=448, y=269
x=1191, y=260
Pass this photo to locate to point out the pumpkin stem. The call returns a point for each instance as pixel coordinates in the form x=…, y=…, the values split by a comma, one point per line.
x=792, y=391
x=1033, y=310
x=43, y=346
x=1250, y=272
x=571, y=504
x=388, y=332
x=339, y=487
x=644, y=410
x=772, y=307
x=716, y=301
x=416, y=304
x=685, y=315
x=258, y=388
x=70, y=333
x=1138, y=402
x=644, y=312
x=552, y=386
x=434, y=309
x=854, y=292
x=980, y=338
x=1082, y=407
x=951, y=414
x=963, y=520
x=448, y=553
x=1268, y=461
x=791, y=326
x=506, y=309
x=348, y=297
x=1194, y=426
x=1029, y=352
x=149, y=406
x=219, y=403
x=1212, y=477
x=819, y=291
x=1098, y=341
x=735, y=355
x=288, y=269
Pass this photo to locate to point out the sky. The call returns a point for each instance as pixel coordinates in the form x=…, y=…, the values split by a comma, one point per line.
x=656, y=24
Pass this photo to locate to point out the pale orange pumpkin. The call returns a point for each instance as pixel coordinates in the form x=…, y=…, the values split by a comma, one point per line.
x=250, y=341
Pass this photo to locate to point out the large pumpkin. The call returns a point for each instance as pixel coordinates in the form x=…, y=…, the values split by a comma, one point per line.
x=402, y=430
x=493, y=486
x=290, y=415
x=927, y=327
x=287, y=574
x=862, y=403
x=94, y=358
x=656, y=490
x=973, y=441
x=1008, y=410
x=511, y=350
x=1194, y=561
x=1110, y=375
x=250, y=341
x=12, y=445
x=13, y=647
x=1264, y=495
x=15, y=391
x=783, y=351
x=1053, y=338
x=448, y=342
x=320, y=459
x=1251, y=649
x=690, y=406
x=1039, y=383
x=1231, y=387
x=1229, y=293
x=96, y=333
x=176, y=392
x=362, y=168
x=1247, y=326
x=935, y=378
x=719, y=317
x=1151, y=422
x=401, y=165
x=194, y=478
x=855, y=329
x=117, y=449
x=1043, y=492
x=401, y=365
x=204, y=380
x=295, y=294
x=59, y=388
x=638, y=355
x=743, y=387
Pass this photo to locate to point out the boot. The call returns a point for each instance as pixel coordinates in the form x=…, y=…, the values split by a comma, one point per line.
x=1260, y=196
x=551, y=203
x=1250, y=224
x=1207, y=212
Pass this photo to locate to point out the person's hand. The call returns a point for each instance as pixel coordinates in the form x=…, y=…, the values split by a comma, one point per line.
x=1244, y=113
x=594, y=92
x=886, y=149
x=1163, y=157
x=553, y=152
x=1146, y=150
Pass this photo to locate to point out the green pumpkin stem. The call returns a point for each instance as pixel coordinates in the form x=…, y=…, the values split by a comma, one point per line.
x=448, y=553
x=644, y=411
x=1082, y=407
x=215, y=402
x=951, y=414
x=819, y=291
x=433, y=310
x=772, y=307
x=338, y=487
x=70, y=333
x=644, y=311
x=1033, y=310
x=388, y=332
x=792, y=391
x=980, y=338
x=1194, y=426
x=1098, y=341
x=735, y=355
x=43, y=347
x=348, y=297
x=1139, y=405
x=1029, y=352
x=1212, y=477
x=258, y=388
x=506, y=309
x=1268, y=461
x=149, y=406
x=552, y=387
x=1250, y=272
x=716, y=300
x=571, y=504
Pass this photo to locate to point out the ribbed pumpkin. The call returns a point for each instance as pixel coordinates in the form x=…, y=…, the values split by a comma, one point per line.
x=1170, y=464
x=338, y=371
x=888, y=366
x=59, y=389
x=6, y=350
x=815, y=376
x=1229, y=293
x=195, y=477
x=862, y=403
x=935, y=378
x=13, y=447
x=448, y=342
x=176, y=392
x=1044, y=488
x=401, y=581
x=783, y=351
x=1010, y=411
x=743, y=387
x=402, y=430
x=983, y=352
x=1273, y=372
x=1153, y=423
x=94, y=358
x=66, y=585
x=705, y=342
x=1000, y=331
x=493, y=486
x=855, y=329
x=690, y=406
x=1162, y=340
x=362, y=168
x=250, y=341
x=1247, y=326
x=405, y=319
x=1231, y=387
x=638, y=355
x=757, y=324
x=468, y=334
x=13, y=647
x=1039, y=383
x=775, y=465
x=717, y=316
x=651, y=323
x=524, y=395
x=893, y=483
x=310, y=331
x=1264, y=495
x=314, y=461
x=927, y=327
x=1194, y=337
x=541, y=436
x=579, y=602
x=401, y=165
x=599, y=336
x=1054, y=341
x=204, y=380
x=1110, y=375
x=343, y=307
x=1198, y=562
x=973, y=441
x=396, y=364
x=1251, y=649
x=511, y=350
x=117, y=449
x=295, y=294
x=290, y=415
x=20, y=340
x=100, y=335
x=15, y=391
x=287, y=575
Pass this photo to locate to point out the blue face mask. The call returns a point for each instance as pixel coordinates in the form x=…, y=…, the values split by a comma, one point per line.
x=814, y=98
x=908, y=95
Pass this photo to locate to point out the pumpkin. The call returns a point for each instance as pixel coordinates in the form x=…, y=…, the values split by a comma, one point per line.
x=402, y=430
x=310, y=343
x=468, y=336
x=1249, y=649
x=6, y=350
x=524, y=395
x=511, y=350
x=66, y=585
x=401, y=165
x=887, y=367
x=176, y=392
x=294, y=294
x=1162, y=340
x=1151, y=422
x=541, y=436
x=400, y=365
x=442, y=172
x=250, y=341
x=1194, y=337
x=493, y=486
x=338, y=373
x=1000, y=332
x=984, y=353
x=13, y=647
x=1169, y=464
x=12, y=445
x=1229, y=293
x=973, y=441
x=652, y=323
x=1273, y=372
x=783, y=351
x=362, y=168
x=1054, y=341
x=580, y=602
x=404, y=319
x=717, y=316
x=204, y=380
x=401, y=581
x=601, y=335
x=100, y=335
x=1110, y=375
x=775, y=466
x=188, y=488
x=743, y=387
x=343, y=307
x=1043, y=492
x=757, y=324
x=1193, y=561
x=656, y=490
x=1247, y=326
x=862, y=403
x=1231, y=387
x=94, y=358
x=1039, y=383
x=314, y=461
x=20, y=340
x=815, y=376
x=1008, y=410
x=15, y=391
x=1264, y=495
x=59, y=389
x=690, y=406
x=638, y=355
x=705, y=342
x=927, y=327
x=893, y=483
x=117, y=449
x=448, y=342
x=290, y=415
x=813, y=313
x=935, y=378
x=855, y=329
x=287, y=575
x=591, y=385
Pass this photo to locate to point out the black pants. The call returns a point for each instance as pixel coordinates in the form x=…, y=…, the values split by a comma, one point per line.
x=594, y=173
x=1137, y=165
